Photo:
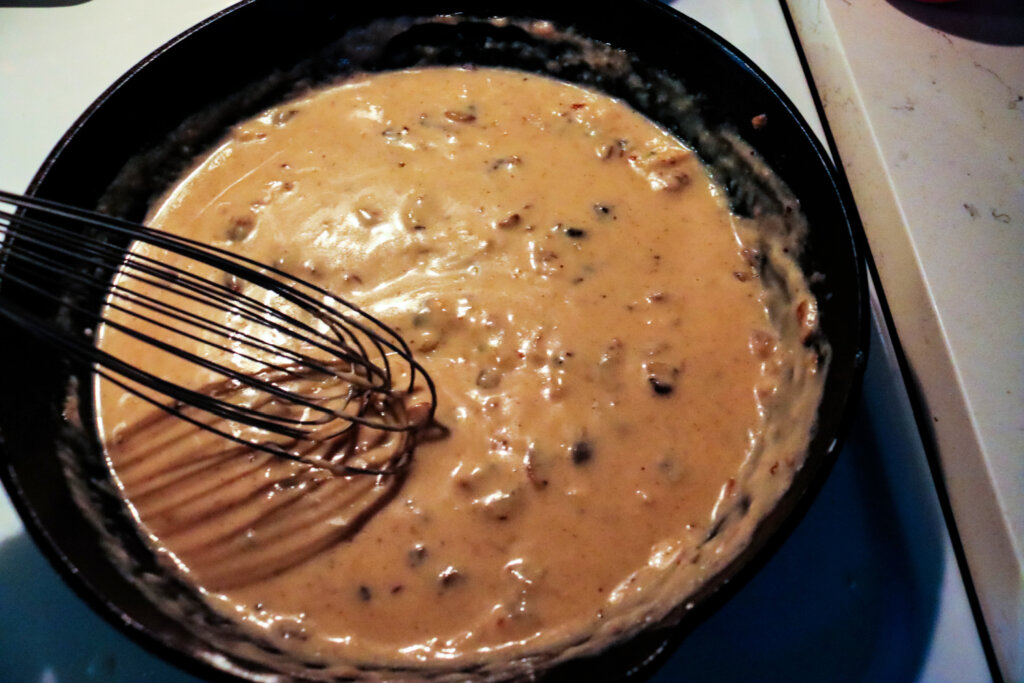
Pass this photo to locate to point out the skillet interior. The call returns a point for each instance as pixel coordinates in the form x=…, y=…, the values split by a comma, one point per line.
x=256, y=54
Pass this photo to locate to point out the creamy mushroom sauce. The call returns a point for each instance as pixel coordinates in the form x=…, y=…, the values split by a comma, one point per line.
x=626, y=397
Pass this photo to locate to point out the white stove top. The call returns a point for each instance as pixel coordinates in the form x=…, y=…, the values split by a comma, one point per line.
x=866, y=588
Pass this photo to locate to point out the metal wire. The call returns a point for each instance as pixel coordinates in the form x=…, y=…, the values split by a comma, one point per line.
x=294, y=364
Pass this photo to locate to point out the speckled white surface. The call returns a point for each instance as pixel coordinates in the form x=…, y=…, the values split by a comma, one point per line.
x=930, y=128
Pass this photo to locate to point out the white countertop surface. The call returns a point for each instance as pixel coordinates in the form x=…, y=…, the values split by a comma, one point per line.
x=937, y=177
x=926, y=104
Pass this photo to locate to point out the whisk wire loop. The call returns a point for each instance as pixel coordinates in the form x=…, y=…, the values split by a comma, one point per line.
x=292, y=362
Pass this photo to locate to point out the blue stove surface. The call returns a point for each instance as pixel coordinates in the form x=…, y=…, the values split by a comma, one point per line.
x=865, y=588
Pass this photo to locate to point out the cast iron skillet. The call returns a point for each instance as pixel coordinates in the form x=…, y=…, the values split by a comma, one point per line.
x=139, y=135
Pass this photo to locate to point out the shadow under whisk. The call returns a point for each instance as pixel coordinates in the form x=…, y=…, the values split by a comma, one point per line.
x=234, y=515
x=282, y=367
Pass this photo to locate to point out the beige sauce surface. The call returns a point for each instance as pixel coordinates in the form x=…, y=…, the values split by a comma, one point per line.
x=601, y=343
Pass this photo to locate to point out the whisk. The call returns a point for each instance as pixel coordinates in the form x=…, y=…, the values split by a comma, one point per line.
x=294, y=366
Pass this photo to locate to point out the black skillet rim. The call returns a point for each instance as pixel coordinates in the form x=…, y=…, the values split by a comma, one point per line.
x=776, y=527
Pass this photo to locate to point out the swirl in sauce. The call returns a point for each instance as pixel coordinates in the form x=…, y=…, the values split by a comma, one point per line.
x=626, y=398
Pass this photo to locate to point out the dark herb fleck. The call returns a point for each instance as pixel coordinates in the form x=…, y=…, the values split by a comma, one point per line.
x=460, y=116
x=449, y=577
x=616, y=149
x=488, y=378
x=754, y=258
x=581, y=453
x=417, y=555
x=661, y=388
x=510, y=221
x=662, y=378
x=506, y=162
x=288, y=482
x=365, y=594
x=283, y=116
x=575, y=233
x=239, y=228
